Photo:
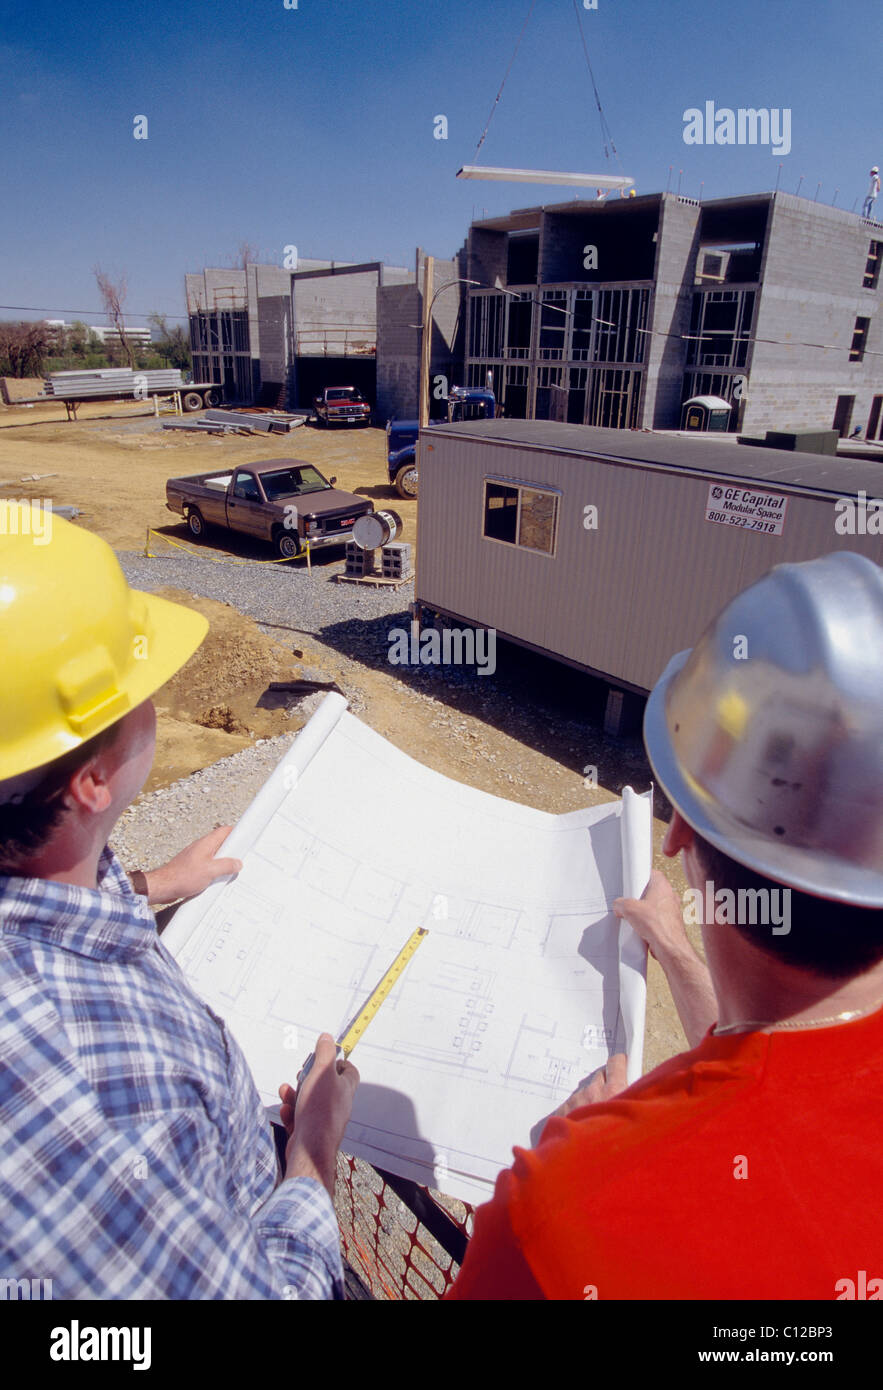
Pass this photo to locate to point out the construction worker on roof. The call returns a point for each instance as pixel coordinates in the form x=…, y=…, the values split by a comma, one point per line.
x=873, y=192
x=749, y=1167
x=135, y=1158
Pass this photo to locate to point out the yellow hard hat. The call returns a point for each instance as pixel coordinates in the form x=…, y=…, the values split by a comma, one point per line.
x=80, y=648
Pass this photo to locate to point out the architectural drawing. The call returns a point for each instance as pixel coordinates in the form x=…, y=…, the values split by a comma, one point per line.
x=521, y=989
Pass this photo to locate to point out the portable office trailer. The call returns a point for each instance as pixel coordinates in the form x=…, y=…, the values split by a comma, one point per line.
x=613, y=549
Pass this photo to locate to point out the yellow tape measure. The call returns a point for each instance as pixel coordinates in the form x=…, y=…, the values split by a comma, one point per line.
x=372, y=1004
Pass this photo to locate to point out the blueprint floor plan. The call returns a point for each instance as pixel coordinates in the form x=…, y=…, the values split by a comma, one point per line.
x=524, y=985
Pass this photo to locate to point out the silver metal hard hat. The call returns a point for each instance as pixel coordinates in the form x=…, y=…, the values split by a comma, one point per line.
x=768, y=735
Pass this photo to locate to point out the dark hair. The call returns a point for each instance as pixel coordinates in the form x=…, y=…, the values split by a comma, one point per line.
x=828, y=938
x=27, y=826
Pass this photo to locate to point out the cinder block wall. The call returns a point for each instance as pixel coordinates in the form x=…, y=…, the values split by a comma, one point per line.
x=332, y=301
x=670, y=304
x=487, y=255
x=269, y=323
x=446, y=356
x=812, y=293
x=398, y=351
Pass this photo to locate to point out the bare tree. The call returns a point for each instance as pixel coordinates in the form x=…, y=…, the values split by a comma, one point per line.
x=114, y=297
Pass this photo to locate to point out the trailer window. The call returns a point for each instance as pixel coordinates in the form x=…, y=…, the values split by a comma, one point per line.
x=522, y=516
x=536, y=520
x=501, y=512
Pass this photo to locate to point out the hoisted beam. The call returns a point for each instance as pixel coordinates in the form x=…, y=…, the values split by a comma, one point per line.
x=481, y=171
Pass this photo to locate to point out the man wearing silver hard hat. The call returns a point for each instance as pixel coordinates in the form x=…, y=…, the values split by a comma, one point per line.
x=749, y=1167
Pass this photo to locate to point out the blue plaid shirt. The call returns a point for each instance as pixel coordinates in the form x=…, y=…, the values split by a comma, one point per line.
x=135, y=1156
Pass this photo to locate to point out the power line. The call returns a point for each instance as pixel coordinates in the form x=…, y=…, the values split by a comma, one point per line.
x=773, y=342
x=37, y=309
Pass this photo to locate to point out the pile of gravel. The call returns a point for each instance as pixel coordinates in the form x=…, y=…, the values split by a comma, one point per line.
x=355, y=622
x=164, y=822
x=276, y=596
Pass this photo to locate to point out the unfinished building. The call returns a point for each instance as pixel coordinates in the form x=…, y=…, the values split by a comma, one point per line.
x=399, y=319
x=276, y=337
x=614, y=313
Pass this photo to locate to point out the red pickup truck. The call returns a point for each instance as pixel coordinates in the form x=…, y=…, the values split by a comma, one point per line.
x=341, y=405
x=284, y=501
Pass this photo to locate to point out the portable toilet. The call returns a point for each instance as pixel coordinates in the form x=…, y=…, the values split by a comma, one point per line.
x=710, y=413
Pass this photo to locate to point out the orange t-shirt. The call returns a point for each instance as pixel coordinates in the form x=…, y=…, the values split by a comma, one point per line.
x=748, y=1168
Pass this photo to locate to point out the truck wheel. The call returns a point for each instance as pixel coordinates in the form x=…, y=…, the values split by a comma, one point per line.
x=195, y=524
x=406, y=480
x=191, y=400
x=288, y=544
x=211, y=398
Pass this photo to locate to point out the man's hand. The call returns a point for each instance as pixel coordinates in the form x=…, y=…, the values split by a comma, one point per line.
x=606, y=1083
x=317, y=1114
x=192, y=870
x=657, y=917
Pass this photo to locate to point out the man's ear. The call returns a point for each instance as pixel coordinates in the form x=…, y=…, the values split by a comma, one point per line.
x=88, y=788
x=678, y=836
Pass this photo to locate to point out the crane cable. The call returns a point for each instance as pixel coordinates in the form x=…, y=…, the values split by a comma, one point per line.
x=503, y=83
x=606, y=133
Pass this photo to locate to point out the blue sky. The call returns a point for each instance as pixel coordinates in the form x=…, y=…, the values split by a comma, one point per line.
x=314, y=126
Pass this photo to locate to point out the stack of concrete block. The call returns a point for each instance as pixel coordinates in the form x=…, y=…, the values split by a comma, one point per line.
x=396, y=560
x=359, y=562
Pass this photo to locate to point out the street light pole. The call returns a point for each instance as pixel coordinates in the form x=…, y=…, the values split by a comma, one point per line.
x=426, y=340
x=426, y=326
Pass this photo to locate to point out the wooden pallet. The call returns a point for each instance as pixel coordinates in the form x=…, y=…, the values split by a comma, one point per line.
x=377, y=580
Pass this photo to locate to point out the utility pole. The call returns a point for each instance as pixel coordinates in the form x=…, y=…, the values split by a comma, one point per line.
x=426, y=341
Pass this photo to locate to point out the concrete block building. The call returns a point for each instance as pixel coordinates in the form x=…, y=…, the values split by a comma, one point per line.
x=399, y=316
x=276, y=337
x=614, y=313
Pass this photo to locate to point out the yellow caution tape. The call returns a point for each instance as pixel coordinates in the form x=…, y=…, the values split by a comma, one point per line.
x=218, y=559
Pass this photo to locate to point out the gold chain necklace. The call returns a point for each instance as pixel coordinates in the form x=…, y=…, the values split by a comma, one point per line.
x=846, y=1017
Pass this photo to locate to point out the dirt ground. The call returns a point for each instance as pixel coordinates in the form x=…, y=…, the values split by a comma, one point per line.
x=113, y=464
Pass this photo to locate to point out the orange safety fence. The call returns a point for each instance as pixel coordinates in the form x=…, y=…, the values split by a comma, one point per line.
x=401, y=1240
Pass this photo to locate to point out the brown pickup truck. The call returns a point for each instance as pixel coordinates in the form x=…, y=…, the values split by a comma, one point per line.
x=284, y=501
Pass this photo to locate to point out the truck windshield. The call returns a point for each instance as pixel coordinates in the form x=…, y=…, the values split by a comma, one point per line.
x=293, y=482
x=346, y=393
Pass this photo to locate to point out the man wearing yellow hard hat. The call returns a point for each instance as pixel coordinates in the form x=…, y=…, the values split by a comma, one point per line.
x=135, y=1161
x=751, y=1166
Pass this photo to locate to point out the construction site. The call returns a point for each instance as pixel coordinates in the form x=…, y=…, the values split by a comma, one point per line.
x=558, y=726
x=110, y=468
x=516, y=598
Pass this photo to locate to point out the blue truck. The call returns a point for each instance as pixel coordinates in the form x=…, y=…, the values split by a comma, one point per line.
x=464, y=403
